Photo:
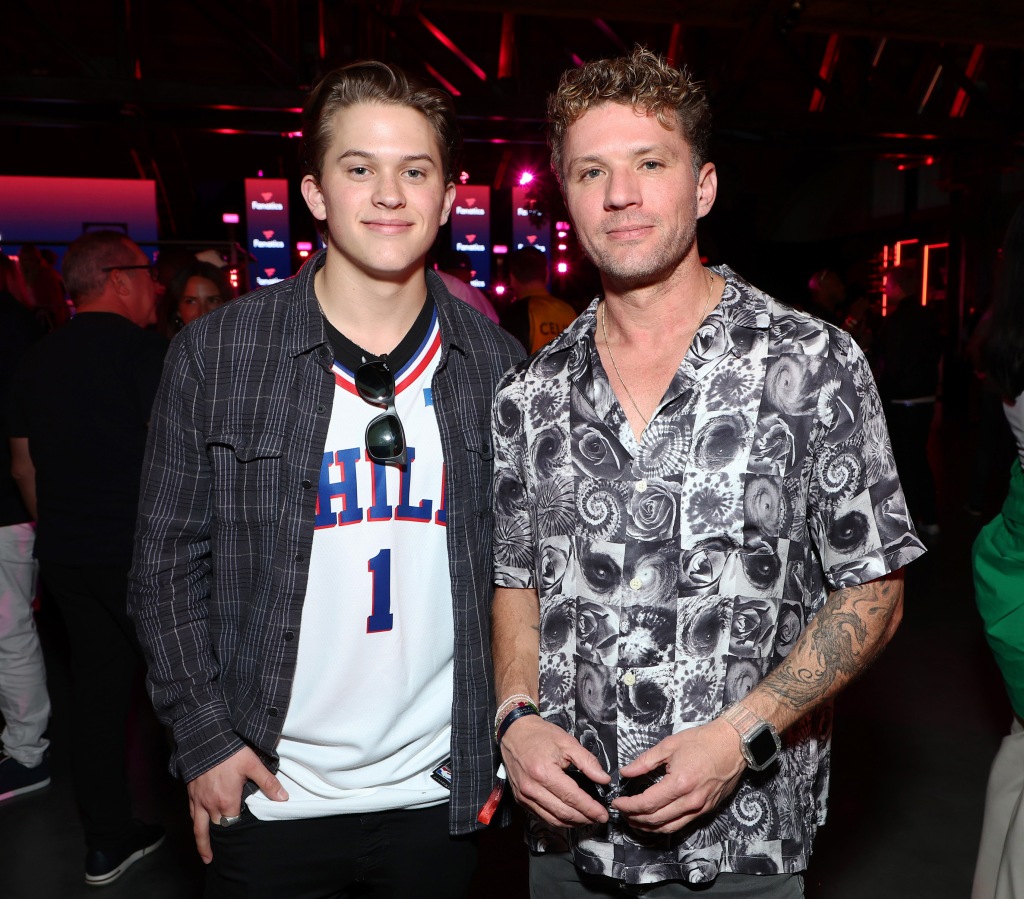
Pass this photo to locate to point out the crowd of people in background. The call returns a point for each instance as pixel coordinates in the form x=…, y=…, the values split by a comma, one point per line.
x=82, y=350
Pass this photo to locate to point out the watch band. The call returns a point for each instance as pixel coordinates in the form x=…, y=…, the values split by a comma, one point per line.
x=759, y=740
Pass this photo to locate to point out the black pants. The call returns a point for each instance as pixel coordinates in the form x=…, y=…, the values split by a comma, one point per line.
x=909, y=428
x=384, y=855
x=104, y=658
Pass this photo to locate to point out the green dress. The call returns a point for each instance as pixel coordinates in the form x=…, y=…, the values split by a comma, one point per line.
x=999, y=587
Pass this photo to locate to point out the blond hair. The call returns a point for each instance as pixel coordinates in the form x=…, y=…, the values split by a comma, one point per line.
x=642, y=80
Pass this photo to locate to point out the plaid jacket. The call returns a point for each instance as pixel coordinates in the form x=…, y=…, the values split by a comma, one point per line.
x=226, y=514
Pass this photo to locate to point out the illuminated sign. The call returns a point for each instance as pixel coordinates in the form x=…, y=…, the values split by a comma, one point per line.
x=471, y=229
x=530, y=226
x=266, y=204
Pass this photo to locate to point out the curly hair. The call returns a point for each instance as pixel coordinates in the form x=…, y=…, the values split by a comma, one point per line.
x=643, y=80
x=374, y=82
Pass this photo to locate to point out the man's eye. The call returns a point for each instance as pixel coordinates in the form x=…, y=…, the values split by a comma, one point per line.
x=652, y=165
x=591, y=174
x=416, y=174
x=359, y=170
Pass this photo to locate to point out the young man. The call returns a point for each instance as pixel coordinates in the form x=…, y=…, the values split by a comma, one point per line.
x=698, y=532
x=312, y=558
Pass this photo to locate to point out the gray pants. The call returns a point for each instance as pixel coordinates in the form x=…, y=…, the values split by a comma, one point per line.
x=554, y=876
x=1000, y=870
x=24, y=702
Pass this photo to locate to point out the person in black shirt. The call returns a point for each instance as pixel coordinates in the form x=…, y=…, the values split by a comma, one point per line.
x=80, y=411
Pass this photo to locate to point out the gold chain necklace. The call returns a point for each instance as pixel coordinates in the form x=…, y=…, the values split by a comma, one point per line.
x=608, y=346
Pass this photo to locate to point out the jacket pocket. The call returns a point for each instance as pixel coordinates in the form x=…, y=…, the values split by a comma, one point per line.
x=246, y=476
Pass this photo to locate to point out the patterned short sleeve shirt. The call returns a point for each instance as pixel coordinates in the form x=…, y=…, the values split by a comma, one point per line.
x=674, y=573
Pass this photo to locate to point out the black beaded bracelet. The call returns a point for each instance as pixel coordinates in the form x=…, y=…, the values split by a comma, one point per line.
x=514, y=715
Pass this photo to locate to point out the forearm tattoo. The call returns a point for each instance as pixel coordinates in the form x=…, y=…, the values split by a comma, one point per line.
x=844, y=638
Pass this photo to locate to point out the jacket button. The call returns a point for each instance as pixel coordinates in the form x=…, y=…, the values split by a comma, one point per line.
x=289, y=636
x=306, y=484
x=321, y=408
x=272, y=711
x=299, y=557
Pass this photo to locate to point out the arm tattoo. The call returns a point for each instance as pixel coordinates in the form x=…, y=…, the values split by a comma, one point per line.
x=844, y=638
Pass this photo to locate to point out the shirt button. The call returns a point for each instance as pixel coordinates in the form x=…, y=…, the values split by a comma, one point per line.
x=321, y=407
x=272, y=711
x=306, y=484
x=299, y=557
x=641, y=486
x=629, y=678
x=289, y=636
x=636, y=583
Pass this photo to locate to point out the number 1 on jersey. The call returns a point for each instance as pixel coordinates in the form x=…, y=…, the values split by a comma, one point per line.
x=380, y=617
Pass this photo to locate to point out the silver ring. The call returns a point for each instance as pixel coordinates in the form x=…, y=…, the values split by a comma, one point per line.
x=228, y=820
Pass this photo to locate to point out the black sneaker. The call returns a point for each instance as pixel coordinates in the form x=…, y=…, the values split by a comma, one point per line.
x=103, y=866
x=16, y=779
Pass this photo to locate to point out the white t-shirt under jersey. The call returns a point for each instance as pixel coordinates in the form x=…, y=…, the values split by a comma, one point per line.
x=371, y=703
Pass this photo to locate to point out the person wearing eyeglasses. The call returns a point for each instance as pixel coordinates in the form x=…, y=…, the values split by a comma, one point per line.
x=699, y=532
x=79, y=416
x=312, y=573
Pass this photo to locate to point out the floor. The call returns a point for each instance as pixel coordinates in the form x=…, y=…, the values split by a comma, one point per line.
x=914, y=738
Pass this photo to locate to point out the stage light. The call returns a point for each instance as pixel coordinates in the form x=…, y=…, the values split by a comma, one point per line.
x=464, y=177
x=561, y=246
x=562, y=226
x=259, y=174
x=563, y=267
x=500, y=249
x=499, y=289
x=561, y=235
x=230, y=218
x=525, y=178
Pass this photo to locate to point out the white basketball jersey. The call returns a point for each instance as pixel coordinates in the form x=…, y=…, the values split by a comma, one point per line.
x=371, y=703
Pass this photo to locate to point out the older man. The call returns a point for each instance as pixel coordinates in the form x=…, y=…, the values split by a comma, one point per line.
x=82, y=399
x=698, y=532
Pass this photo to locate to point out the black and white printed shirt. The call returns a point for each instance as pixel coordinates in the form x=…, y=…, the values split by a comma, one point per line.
x=674, y=573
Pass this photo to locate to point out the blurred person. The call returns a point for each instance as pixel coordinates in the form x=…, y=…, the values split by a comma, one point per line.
x=46, y=286
x=826, y=296
x=699, y=532
x=80, y=406
x=312, y=571
x=24, y=700
x=534, y=317
x=12, y=282
x=456, y=270
x=998, y=557
x=196, y=289
x=909, y=353
x=169, y=261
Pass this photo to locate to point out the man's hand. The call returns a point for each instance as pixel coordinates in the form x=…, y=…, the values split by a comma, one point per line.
x=536, y=754
x=218, y=792
x=702, y=767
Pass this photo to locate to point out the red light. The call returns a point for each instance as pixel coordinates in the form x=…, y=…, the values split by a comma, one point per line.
x=230, y=218
x=563, y=267
x=464, y=177
x=500, y=249
x=561, y=234
x=499, y=289
x=561, y=246
x=525, y=178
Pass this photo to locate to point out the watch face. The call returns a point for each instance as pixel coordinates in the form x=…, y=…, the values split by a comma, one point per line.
x=761, y=745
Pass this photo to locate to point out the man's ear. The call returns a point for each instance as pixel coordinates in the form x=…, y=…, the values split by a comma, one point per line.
x=314, y=197
x=449, y=199
x=707, y=188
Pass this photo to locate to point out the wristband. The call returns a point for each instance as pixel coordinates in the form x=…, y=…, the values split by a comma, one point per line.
x=510, y=703
x=513, y=716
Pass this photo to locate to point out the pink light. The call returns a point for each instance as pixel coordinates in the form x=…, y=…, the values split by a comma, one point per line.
x=445, y=83
x=259, y=174
x=525, y=178
x=464, y=177
x=293, y=135
x=303, y=245
x=563, y=267
x=230, y=218
x=500, y=249
x=561, y=246
x=561, y=234
x=450, y=44
x=562, y=226
x=499, y=289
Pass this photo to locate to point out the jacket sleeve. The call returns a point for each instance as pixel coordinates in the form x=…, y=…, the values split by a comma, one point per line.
x=169, y=583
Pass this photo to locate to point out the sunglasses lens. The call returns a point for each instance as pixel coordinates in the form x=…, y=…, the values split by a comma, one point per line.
x=374, y=382
x=385, y=439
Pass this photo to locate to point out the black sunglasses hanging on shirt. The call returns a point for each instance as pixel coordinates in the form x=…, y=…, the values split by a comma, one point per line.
x=385, y=436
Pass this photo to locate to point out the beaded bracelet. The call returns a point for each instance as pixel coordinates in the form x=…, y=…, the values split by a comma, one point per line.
x=513, y=716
